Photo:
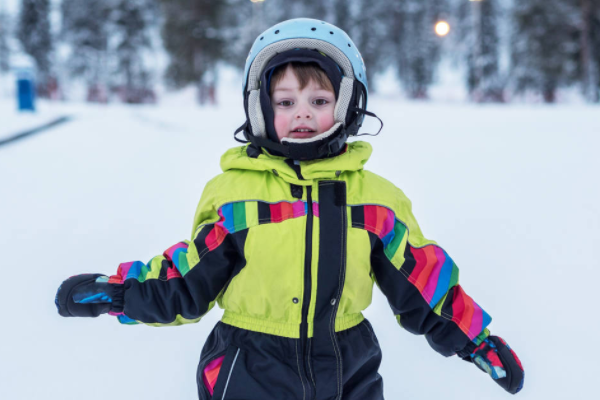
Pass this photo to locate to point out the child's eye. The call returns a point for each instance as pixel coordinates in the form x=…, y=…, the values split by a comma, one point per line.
x=321, y=102
x=285, y=103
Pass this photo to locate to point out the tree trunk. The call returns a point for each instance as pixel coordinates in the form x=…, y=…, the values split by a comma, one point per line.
x=586, y=67
x=549, y=93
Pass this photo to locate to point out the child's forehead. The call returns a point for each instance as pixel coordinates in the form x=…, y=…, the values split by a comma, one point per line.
x=282, y=86
x=289, y=76
x=290, y=81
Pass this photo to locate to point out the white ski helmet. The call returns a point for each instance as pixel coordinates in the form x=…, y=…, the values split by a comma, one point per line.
x=304, y=40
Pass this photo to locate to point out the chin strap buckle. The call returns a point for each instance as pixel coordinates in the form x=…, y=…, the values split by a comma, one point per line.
x=336, y=144
x=337, y=141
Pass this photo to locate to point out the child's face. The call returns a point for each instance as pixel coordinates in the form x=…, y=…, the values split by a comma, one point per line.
x=301, y=114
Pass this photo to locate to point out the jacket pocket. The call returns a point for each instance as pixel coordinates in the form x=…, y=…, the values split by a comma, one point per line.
x=210, y=371
x=223, y=377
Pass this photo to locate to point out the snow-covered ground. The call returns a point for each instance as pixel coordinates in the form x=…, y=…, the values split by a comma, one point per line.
x=511, y=192
x=12, y=122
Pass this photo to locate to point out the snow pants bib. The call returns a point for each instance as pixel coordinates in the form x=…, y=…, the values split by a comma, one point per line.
x=237, y=364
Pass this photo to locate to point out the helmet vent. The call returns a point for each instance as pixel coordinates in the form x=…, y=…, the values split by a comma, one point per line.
x=313, y=29
x=277, y=31
x=262, y=37
x=331, y=33
x=349, y=45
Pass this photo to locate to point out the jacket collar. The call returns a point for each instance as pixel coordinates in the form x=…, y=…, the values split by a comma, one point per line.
x=353, y=159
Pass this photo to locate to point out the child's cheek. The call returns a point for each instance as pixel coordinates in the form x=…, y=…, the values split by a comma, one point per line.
x=326, y=122
x=282, y=124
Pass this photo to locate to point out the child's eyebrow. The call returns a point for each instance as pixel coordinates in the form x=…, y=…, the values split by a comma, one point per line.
x=286, y=89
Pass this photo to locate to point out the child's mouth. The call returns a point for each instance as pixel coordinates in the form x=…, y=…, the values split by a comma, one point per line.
x=302, y=133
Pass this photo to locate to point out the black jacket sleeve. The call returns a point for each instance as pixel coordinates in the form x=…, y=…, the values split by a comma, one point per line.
x=421, y=285
x=184, y=283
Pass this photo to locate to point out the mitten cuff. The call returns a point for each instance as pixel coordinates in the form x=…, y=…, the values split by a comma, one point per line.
x=118, y=298
x=466, y=352
x=469, y=349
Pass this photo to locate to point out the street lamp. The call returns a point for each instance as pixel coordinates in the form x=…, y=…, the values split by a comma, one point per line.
x=257, y=15
x=476, y=13
x=442, y=28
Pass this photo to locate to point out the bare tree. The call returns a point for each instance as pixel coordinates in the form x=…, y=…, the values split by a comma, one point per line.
x=36, y=39
x=545, y=46
x=131, y=20
x=590, y=12
x=417, y=48
x=85, y=27
x=4, y=35
x=193, y=35
x=480, y=22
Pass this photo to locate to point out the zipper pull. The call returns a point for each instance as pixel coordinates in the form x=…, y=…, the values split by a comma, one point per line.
x=296, y=191
x=295, y=165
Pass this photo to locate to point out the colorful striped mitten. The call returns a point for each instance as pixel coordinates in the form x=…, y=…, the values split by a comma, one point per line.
x=496, y=358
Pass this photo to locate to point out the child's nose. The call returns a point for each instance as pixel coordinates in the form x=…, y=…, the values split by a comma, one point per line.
x=303, y=113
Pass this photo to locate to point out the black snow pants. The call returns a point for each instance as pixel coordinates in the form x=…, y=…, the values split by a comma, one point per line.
x=259, y=366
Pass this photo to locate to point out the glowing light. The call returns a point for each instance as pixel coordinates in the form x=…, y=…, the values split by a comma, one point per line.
x=442, y=28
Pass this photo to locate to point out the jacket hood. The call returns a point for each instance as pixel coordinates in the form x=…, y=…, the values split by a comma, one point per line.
x=353, y=159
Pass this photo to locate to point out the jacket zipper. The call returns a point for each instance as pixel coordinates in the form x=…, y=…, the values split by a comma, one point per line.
x=307, y=281
x=307, y=284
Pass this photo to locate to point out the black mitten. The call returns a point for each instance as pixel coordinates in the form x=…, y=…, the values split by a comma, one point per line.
x=88, y=295
x=496, y=358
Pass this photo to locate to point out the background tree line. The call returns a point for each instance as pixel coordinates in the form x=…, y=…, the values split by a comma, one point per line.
x=505, y=48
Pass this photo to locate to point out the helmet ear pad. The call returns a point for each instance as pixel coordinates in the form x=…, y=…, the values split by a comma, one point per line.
x=358, y=100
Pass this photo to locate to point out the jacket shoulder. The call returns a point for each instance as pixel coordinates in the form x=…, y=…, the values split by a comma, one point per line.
x=239, y=185
x=368, y=188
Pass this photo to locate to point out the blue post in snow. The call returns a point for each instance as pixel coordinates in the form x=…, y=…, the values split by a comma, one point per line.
x=25, y=91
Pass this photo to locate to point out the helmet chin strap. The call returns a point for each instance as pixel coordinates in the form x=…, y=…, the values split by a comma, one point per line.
x=327, y=147
x=370, y=114
x=323, y=148
x=310, y=149
x=315, y=138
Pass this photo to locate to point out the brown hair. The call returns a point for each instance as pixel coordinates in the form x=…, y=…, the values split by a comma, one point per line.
x=304, y=72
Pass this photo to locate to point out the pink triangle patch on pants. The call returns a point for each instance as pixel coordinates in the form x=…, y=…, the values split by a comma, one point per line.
x=211, y=373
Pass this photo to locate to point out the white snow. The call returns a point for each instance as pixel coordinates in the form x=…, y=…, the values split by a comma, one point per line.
x=511, y=192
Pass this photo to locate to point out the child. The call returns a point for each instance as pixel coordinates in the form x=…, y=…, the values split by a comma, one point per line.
x=289, y=241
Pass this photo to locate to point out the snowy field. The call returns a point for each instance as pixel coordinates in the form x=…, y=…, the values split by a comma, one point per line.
x=511, y=192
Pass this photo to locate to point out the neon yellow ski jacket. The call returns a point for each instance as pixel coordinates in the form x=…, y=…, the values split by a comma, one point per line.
x=293, y=249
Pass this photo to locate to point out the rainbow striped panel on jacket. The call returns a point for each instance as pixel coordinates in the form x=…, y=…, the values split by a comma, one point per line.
x=234, y=217
x=245, y=214
x=172, y=264
x=430, y=269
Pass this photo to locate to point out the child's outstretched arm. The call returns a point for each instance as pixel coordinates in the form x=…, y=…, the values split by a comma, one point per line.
x=177, y=287
x=420, y=281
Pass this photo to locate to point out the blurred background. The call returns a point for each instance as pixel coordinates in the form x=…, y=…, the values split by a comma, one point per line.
x=131, y=51
x=114, y=115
